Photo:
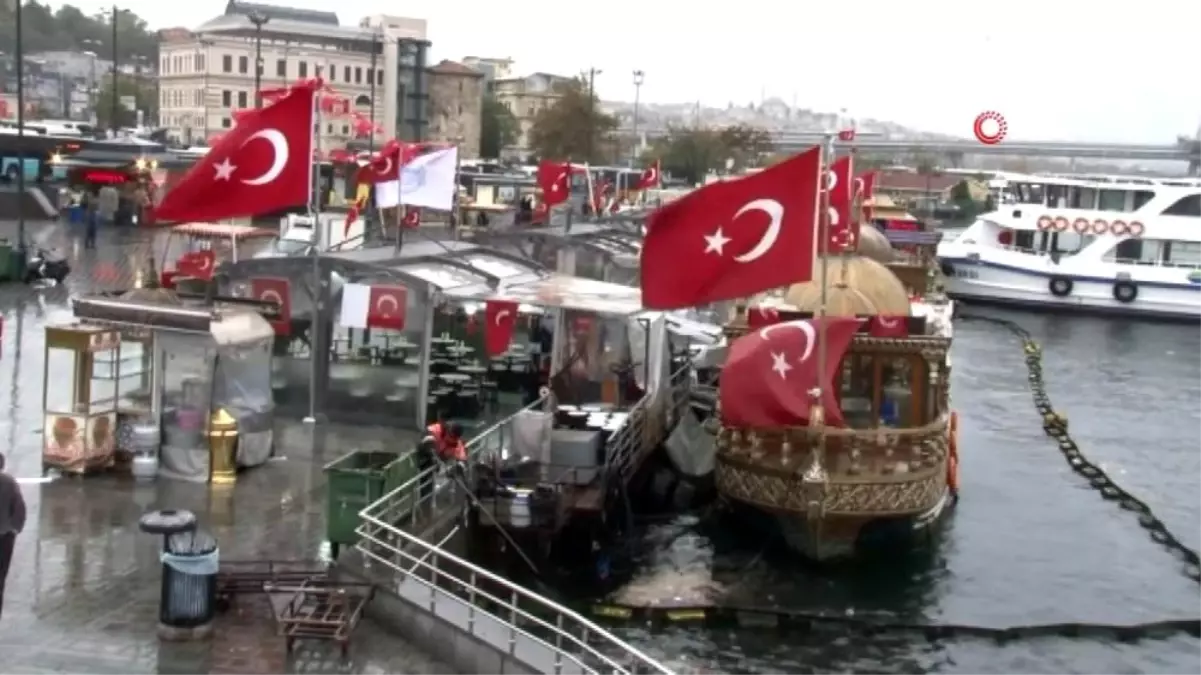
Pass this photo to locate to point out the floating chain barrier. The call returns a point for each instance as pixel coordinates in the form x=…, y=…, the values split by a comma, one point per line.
x=1055, y=425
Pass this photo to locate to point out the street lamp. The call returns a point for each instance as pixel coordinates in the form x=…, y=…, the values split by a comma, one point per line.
x=639, y=77
x=92, y=47
x=20, y=49
x=258, y=19
x=206, y=43
x=592, y=73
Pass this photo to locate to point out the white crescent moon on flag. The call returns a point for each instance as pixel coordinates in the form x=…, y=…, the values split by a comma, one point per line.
x=775, y=210
x=803, y=326
x=888, y=323
x=831, y=180
x=859, y=185
x=279, y=149
x=501, y=314
x=832, y=213
x=204, y=263
x=651, y=174
x=272, y=296
x=387, y=167
x=387, y=299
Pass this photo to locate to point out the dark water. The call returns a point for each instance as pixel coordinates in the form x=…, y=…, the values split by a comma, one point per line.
x=1029, y=542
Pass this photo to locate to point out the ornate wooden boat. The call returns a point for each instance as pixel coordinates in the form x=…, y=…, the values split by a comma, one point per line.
x=885, y=476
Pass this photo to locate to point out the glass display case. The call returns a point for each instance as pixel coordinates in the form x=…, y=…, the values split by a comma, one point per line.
x=79, y=397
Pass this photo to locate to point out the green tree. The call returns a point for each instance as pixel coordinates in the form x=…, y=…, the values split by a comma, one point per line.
x=144, y=94
x=68, y=28
x=498, y=127
x=572, y=127
x=691, y=153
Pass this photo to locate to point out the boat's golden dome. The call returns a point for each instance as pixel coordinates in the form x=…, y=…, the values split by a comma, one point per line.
x=864, y=288
x=873, y=244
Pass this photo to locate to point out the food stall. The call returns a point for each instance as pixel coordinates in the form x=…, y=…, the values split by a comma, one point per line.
x=79, y=400
x=197, y=359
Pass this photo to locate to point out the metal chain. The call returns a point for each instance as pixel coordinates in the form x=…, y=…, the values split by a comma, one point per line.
x=1056, y=426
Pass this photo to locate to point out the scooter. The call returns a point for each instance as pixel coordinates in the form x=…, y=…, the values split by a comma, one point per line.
x=44, y=264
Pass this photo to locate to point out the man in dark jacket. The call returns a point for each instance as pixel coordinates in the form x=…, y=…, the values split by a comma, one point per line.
x=12, y=521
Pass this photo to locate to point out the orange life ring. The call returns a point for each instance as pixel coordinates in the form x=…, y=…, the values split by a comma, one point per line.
x=953, y=454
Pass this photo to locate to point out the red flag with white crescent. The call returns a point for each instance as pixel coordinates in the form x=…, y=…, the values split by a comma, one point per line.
x=651, y=177
x=197, y=264
x=758, y=317
x=500, y=317
x=889, y=326
x=277, y=291
x=842, y=230
x=386, y=307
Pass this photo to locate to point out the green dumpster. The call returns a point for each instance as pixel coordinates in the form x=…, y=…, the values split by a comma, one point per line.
x=8, y=262
x=354, y=481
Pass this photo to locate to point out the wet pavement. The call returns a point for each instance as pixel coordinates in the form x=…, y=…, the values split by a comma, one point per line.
x=83, y=592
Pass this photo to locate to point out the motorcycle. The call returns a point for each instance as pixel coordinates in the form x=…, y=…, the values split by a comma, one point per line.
x=46, y=265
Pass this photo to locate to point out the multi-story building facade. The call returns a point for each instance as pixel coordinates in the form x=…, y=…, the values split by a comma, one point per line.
x=379, y=67
x=456, y=106
x=525, y=97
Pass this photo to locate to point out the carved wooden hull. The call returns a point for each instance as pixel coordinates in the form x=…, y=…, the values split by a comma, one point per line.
x=894, y=488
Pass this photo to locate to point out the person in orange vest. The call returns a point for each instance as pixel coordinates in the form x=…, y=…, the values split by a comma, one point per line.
x=441, y=442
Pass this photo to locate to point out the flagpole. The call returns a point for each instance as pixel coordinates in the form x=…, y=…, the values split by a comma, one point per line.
x=455, y=225
x=816, y=471
x=315, y=327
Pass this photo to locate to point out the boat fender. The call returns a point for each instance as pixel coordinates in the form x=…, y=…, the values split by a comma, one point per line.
x=1125, y=291
x=1060, y=286
x=953, y=455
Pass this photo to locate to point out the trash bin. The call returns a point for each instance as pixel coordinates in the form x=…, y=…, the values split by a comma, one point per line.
x=355, y=480
x=189, y=591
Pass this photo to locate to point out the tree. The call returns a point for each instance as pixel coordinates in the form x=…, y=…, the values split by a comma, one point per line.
x=145, y=97
x=68, y=28
x=572, y=128
x=691, y=153
x=498, y=127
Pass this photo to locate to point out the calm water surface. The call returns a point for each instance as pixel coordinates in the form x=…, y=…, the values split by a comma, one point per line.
x=1029, y=542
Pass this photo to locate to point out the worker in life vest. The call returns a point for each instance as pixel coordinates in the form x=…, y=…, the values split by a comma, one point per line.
x=441, y=442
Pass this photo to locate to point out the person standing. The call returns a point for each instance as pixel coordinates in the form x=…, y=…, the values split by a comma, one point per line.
x=91, y=220
x=12, y=521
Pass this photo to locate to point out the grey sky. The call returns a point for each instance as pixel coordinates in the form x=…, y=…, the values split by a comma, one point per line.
x=1056, y=69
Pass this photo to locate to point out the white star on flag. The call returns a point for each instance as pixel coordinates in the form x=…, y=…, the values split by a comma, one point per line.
x=224, y=169
x=779, y=364
x=714, y=243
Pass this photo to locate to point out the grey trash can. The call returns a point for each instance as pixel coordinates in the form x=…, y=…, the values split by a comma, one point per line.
x=189, y=593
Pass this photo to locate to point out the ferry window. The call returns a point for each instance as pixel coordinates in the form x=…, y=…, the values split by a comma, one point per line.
x=1185, y=206
x=1184, y=253
x=1138, y=251
x=1141, y=197
x=1057, y=196
x=1112, y=200
x=1024, y=239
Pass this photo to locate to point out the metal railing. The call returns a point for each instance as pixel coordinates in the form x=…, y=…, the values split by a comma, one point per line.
x=535, y=630
x=627, y=443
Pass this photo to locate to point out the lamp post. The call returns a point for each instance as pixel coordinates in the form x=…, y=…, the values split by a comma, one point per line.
x=20, y=55
x=112, y=123
x=592, y=73
x=206, y=43
x=258, y=19
x=639, y=77
x=92, y=46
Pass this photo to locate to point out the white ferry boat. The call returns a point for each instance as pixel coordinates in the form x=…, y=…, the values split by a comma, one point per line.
x=1119, y=245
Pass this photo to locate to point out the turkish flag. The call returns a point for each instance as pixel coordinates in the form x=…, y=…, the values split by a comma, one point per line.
x=735, y=238
x=650, y=178
x=758, y=317
x=501, y=318
x=197, y=264
x=842, y=230
x=555, y=180
x=889, y=326
x=600, y=189
x=278, y=291
x=846, y=135
x=769, y=373
x=865, y=187
x=412, y=217
x=386, y=308
x=261, y=165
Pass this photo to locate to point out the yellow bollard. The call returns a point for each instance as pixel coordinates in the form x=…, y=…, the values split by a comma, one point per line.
x=223, y=439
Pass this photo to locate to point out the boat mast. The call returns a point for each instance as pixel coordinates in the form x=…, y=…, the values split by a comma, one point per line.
x=814, y=479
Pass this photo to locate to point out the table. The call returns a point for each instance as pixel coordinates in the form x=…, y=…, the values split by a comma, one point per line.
x=454, y=378
x=475, y=371
x=461, y=350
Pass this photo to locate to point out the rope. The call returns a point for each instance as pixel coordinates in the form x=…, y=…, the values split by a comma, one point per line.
x=796, y=620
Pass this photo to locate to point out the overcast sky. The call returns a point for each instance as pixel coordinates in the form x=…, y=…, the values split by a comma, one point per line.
x=1056, y=69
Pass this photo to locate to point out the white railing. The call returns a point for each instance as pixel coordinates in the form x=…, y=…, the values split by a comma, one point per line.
x=532, y=629
x=626, y=444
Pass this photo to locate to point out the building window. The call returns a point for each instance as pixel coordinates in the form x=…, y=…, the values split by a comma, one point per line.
x=281, y=68
x=225, y=123
x=227, y=63
x=358, y=75
x=227, y=99
x=345, y=129
x=329, y=129
x=333, y=73
x=304, y=69
x=241, y=99
x=163, y=66
x=346, y=74
x=379, y=77
x=243, y=64
x=200, y=64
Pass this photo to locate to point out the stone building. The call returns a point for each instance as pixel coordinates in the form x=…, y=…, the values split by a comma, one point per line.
x=456, y=106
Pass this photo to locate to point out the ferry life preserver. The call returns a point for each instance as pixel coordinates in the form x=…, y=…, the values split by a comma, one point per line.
x=1119, y=229
x=1136, y=229
x=1045, y=222
x=953, y=454
x=1100, y=226
x=1081, y=225
x=1060, y=287
x=1125, y=292
x=1061, y=224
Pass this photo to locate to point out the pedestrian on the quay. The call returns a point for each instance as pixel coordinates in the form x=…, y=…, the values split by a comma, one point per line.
x=91, y=220
x=12, y=521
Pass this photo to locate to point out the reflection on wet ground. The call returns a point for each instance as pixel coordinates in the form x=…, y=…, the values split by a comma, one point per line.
x=83, y=592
